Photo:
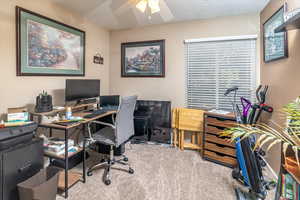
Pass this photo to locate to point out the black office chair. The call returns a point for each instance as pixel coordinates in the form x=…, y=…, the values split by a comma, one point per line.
x=114, y=135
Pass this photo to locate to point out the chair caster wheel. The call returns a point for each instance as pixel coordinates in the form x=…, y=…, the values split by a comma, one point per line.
x=107, y=182
x=125, y=159
x=89, y=173
x=131, y=171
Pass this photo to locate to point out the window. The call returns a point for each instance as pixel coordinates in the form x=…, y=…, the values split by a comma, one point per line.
x=215, y=65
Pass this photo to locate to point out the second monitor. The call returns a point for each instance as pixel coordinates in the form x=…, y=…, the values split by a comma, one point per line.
x=110, y=102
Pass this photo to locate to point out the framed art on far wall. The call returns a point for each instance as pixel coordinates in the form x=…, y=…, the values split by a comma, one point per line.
x=275, y=44
x=46, y=47
x=143, y=59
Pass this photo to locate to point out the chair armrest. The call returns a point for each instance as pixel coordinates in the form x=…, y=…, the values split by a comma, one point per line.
x=90, y=138
x=103, y=123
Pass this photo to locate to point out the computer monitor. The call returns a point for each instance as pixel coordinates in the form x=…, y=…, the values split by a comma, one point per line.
x=109, y=100
x=80, y=89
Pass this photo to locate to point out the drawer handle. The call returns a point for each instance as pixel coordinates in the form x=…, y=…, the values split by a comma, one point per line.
x=216, y=127
x=219, y=154
x=220, y=145
x=223, y=137
x=24, y=168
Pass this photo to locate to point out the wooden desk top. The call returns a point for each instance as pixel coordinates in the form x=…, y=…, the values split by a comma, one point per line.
x=53, y=112
x=78, y=114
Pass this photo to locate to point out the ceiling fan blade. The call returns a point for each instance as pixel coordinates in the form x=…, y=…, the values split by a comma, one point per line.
x=119, y=9
x=165, y=12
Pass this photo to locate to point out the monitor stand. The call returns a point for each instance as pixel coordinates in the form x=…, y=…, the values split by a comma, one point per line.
x=86, y=101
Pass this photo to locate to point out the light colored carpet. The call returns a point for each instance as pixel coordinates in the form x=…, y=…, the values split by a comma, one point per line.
x=161, y=173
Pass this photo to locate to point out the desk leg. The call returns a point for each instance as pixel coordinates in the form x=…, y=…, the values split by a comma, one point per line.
x=50, y=135
x=84, y=155
x=66, y=163
x=50, y=132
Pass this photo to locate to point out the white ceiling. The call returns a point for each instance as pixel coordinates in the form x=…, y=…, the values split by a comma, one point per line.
x=122, y=14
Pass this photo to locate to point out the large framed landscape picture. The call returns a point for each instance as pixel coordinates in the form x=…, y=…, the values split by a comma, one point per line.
x=275, y=44
x=143, y=59
x=46, y=47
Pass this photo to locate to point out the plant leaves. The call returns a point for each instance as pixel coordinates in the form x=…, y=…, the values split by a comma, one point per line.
x=259, y=140
x=267, y=140
x=295, y=148
x=273, y=143
x=284, y=148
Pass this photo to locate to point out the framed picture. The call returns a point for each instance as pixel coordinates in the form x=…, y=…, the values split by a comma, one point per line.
x=143, y=59
x=46, y=47
x=275, y=44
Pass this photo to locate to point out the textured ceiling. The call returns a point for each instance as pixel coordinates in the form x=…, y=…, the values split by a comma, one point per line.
x=122, y=14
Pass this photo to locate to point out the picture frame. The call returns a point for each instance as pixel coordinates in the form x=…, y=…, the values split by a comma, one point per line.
x=143, y=59
x=275, y=45
x=46, y=47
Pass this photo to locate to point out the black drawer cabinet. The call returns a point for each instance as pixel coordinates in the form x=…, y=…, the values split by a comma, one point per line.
x=17, y=164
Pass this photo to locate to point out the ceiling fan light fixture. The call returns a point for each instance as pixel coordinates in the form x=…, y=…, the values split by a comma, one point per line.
x=154, y=6
x=142, y=5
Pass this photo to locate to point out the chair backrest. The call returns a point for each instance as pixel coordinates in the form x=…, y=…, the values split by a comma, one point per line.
x=124, y=119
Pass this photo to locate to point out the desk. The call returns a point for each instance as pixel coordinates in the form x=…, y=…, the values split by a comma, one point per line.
x=70, y=178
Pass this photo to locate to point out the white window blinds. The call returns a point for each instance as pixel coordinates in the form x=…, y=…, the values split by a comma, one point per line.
x=216, y=65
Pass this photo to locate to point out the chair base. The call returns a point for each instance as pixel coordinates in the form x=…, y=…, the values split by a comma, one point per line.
x=108, y=164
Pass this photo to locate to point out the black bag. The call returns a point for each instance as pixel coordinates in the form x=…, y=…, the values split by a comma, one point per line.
x=15, y=135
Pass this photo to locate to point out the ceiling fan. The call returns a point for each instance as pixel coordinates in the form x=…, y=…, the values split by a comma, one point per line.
x=149, y=7
x=153, y=5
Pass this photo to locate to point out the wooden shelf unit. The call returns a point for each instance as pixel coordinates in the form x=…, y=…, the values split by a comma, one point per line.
x=73, y=178
x=62, y=156
x=216, y=148
x=288, y=166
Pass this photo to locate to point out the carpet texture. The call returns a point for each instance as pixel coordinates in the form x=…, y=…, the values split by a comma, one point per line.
x=161, y=173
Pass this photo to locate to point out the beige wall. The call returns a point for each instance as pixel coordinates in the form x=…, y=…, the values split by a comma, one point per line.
x=20, y=91
x=283, y=75
x=172, y=87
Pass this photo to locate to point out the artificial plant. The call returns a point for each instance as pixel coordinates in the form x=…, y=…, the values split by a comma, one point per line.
x=270, y=136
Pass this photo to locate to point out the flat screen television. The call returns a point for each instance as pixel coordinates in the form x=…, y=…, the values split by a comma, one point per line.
x=80, y=89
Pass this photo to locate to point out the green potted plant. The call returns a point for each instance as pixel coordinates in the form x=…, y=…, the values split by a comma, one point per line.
x=271, y=135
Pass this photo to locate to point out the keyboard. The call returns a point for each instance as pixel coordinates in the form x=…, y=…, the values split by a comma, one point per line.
x=95, y=114
x=110, y=108
x=66, y=123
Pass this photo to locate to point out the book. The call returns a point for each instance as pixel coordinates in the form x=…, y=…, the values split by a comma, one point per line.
x=298, y=190
x=58, y=145
x=289, y=187
x=71, y=151
x=283, y=185
x=295, y=190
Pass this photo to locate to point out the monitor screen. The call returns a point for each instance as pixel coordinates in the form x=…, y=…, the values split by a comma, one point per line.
x=111, y=100
x=77, y=89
